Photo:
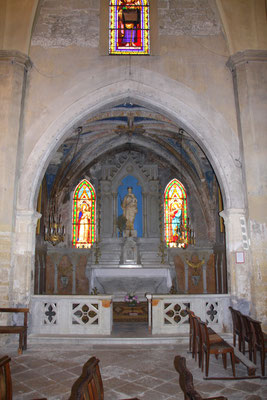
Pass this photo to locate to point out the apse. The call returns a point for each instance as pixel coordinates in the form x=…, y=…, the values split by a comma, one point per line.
x=129, y=148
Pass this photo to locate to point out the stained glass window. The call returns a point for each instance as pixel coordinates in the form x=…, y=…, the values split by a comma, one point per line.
x=84, y=198
x=175, y=215
x=129, y=27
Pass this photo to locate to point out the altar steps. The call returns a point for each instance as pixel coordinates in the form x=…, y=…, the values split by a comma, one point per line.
x=107, y=340
x=122, y=334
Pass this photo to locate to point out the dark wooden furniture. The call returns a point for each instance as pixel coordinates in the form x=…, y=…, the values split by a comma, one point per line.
x=237, y=327
x=186, y=382
x=246, y=334
x=5, y=379
x=197, y=341
x=216, y=347
x=195, y=337
x=21, y=330
x=89, y=385
x=259, y=342
x=191, y=315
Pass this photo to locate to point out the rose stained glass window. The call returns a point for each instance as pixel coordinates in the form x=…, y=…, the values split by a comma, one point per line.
x=175, y=215
x=83, y=232
x=129, y=27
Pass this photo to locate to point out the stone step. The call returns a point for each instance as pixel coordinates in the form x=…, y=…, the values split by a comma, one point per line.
x=106, y=340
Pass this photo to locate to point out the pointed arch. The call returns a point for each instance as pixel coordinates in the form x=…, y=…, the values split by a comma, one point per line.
x=175, y=214
x=83, y=220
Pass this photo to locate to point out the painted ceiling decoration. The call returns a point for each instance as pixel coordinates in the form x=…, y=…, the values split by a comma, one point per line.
x=120, y=130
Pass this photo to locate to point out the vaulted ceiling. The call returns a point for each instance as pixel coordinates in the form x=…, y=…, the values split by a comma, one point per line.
x=129, y=128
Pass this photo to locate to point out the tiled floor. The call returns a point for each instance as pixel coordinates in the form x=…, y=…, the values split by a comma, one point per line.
x=146, y=371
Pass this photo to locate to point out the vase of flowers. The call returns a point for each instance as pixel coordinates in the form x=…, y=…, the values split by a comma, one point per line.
x=131, y=299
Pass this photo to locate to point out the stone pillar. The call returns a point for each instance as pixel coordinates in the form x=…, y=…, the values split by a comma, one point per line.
x=238, y=273
x=22, y=279
x=249, y=71
x=13, y=71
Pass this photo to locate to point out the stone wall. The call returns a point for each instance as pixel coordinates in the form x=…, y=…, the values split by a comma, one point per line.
x=187, y=17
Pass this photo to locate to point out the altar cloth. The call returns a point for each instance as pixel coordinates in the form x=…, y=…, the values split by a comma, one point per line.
x=120, y=281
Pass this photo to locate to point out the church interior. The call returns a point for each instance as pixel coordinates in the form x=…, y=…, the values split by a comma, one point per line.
x=133, y=164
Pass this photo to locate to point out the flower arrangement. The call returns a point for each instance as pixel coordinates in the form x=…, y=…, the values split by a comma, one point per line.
x=131, y=299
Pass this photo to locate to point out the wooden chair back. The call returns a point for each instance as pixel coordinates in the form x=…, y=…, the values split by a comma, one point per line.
x=89, y=385
x=186, y=381
x=258, y=334
x=198, y=340
x=259, y=342
x=191, y=330
x=237, y=327
x=5, y=379
x=203, y=331
x=246, y=333
x=215, y=345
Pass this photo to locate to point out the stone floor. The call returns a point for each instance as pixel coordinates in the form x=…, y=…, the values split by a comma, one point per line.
x=146, y=371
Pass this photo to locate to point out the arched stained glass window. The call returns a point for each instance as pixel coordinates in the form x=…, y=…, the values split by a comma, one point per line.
x=84, y=198
x=129, y=27
x=175, y=215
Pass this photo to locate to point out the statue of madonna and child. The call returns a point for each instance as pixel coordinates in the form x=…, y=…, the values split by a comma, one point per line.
x=129, y=207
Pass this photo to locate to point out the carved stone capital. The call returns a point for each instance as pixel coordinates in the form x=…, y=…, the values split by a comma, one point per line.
x=246, y=56
x=16, y=58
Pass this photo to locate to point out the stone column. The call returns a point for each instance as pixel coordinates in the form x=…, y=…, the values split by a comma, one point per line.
x=238, y=273
x=13, y=72
x=249, y=71
x=22, y=279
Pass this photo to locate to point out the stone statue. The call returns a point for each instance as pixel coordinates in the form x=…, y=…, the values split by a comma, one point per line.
x=129, y=206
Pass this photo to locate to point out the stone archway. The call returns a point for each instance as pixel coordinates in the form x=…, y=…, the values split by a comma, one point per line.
x=179, y=103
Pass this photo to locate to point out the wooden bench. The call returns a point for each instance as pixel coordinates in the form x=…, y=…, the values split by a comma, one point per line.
x=21, y=330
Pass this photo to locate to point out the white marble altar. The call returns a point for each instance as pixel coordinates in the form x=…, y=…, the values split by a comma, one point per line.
x=120, y=281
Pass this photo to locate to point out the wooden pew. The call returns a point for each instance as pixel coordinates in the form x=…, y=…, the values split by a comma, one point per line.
x=21, y=330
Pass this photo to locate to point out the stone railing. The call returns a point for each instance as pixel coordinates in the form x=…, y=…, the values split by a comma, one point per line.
x=167, y=313
x=68, y=315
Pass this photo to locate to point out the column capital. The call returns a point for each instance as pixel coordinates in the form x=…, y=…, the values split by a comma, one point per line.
x=232, y=212
x=16, y=57
x=242, y=57
x=29, y=216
